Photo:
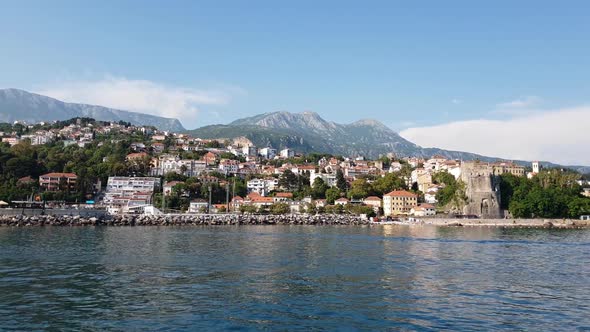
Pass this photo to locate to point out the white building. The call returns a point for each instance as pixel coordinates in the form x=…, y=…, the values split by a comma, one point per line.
x=329, y=178
x=123, y=193
x=268, y=153
x=287, y=153
x=198, y=206
x=249, y=151
x=262, y=186
x=229, y=166
x=173, y=164
x=423, y=210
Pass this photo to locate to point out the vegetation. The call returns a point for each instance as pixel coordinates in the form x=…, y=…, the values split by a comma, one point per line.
x=550, y=194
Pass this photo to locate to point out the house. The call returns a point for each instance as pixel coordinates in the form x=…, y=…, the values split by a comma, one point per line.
x=423, y=210
x=283, y=197
x=374, y=202
x=198, y=206
x=58, y=181
x=586, y=192
x=210, y=158
x=399, y=202
x=341, y=201
x=321, y=203
x=169, y=186
x=136, y=156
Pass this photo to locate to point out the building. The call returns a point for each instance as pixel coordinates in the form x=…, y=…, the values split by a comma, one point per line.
x=58, y=181
x=508, y=167
x=399, y=202
x=168, y=187
x=329, y=179
x=374, y=202
x=423, y=210
x=262, y=186
x=283, y=197
x=228, y=166
x=287, y=153
x=341, y=201
x=198, y=206
x=123, y=193
x=268, y=153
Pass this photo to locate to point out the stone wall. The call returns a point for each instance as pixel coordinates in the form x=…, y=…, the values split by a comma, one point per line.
x=482, y=190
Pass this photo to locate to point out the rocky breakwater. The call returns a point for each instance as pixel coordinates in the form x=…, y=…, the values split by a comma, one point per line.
x=181, y=220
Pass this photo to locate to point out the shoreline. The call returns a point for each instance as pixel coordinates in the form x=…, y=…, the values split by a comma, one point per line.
x=312, y=220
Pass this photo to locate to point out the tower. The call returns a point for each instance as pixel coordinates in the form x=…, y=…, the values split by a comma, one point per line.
x=536, y=167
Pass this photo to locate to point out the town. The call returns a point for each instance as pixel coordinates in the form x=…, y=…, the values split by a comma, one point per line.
x=141, y=170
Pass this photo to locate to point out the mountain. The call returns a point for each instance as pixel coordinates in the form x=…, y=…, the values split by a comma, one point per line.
x=308, y=132
x=19, y=105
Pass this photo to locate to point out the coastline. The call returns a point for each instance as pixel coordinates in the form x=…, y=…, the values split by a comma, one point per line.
x=235, y=219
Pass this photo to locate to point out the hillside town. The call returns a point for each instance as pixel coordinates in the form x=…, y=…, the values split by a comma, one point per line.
x=145, y=170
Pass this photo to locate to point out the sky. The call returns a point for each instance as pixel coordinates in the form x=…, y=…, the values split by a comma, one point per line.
x=499, y=78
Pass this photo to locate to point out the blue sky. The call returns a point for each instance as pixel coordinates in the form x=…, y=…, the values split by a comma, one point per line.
x=409, y=64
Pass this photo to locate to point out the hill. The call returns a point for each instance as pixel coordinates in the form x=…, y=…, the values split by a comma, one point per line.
x=19, y=105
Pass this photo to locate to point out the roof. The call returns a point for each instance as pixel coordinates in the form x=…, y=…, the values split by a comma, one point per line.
x=136, y=155
x=401, y=193
x=262, y=199
x=372, y=198
x=172, y=183
x=342, y=199
x=60, y=175
x=285, y=195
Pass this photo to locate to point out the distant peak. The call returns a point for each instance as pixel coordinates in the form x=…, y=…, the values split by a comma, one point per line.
x=368, y=122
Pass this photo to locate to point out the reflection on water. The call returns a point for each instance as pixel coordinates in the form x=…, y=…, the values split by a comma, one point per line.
x=293, y=277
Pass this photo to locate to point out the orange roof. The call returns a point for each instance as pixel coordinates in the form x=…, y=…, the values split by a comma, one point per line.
x=136, y=155
x=427, y=206
x=285, y=195
x=401, y=193
x=262, y=199
x=253, y=195
x=342, y=199
x=372, y=198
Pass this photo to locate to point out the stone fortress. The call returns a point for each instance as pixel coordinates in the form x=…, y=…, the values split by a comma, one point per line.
x=482, y=189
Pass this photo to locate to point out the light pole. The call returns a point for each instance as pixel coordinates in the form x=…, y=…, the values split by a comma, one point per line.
x=209, y=206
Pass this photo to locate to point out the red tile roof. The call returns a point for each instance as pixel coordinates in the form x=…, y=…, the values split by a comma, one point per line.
x=401, y=193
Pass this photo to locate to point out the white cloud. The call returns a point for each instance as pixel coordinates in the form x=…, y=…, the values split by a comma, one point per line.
x=559, y=136
x=522, y=102
x=140, y=96
x=457, y=101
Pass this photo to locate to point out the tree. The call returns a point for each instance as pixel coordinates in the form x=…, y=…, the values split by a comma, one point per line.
x=288, y=180
x=388, y=183
x=332, y=194
x=341, y=181
x=319, y=188
x=359, y=188
x=279, y=208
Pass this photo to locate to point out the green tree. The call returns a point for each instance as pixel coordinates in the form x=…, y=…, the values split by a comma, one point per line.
x=341, y=181
x=319, y=188
x=332, y=194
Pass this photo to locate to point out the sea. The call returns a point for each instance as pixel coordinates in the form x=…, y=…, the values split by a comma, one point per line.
x=294, y=278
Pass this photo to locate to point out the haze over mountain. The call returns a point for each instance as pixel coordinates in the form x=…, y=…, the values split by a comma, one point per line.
x=19, y=105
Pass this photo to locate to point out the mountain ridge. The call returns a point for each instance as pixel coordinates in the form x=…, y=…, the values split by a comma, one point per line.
x=308, y=132
x=21, y=105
